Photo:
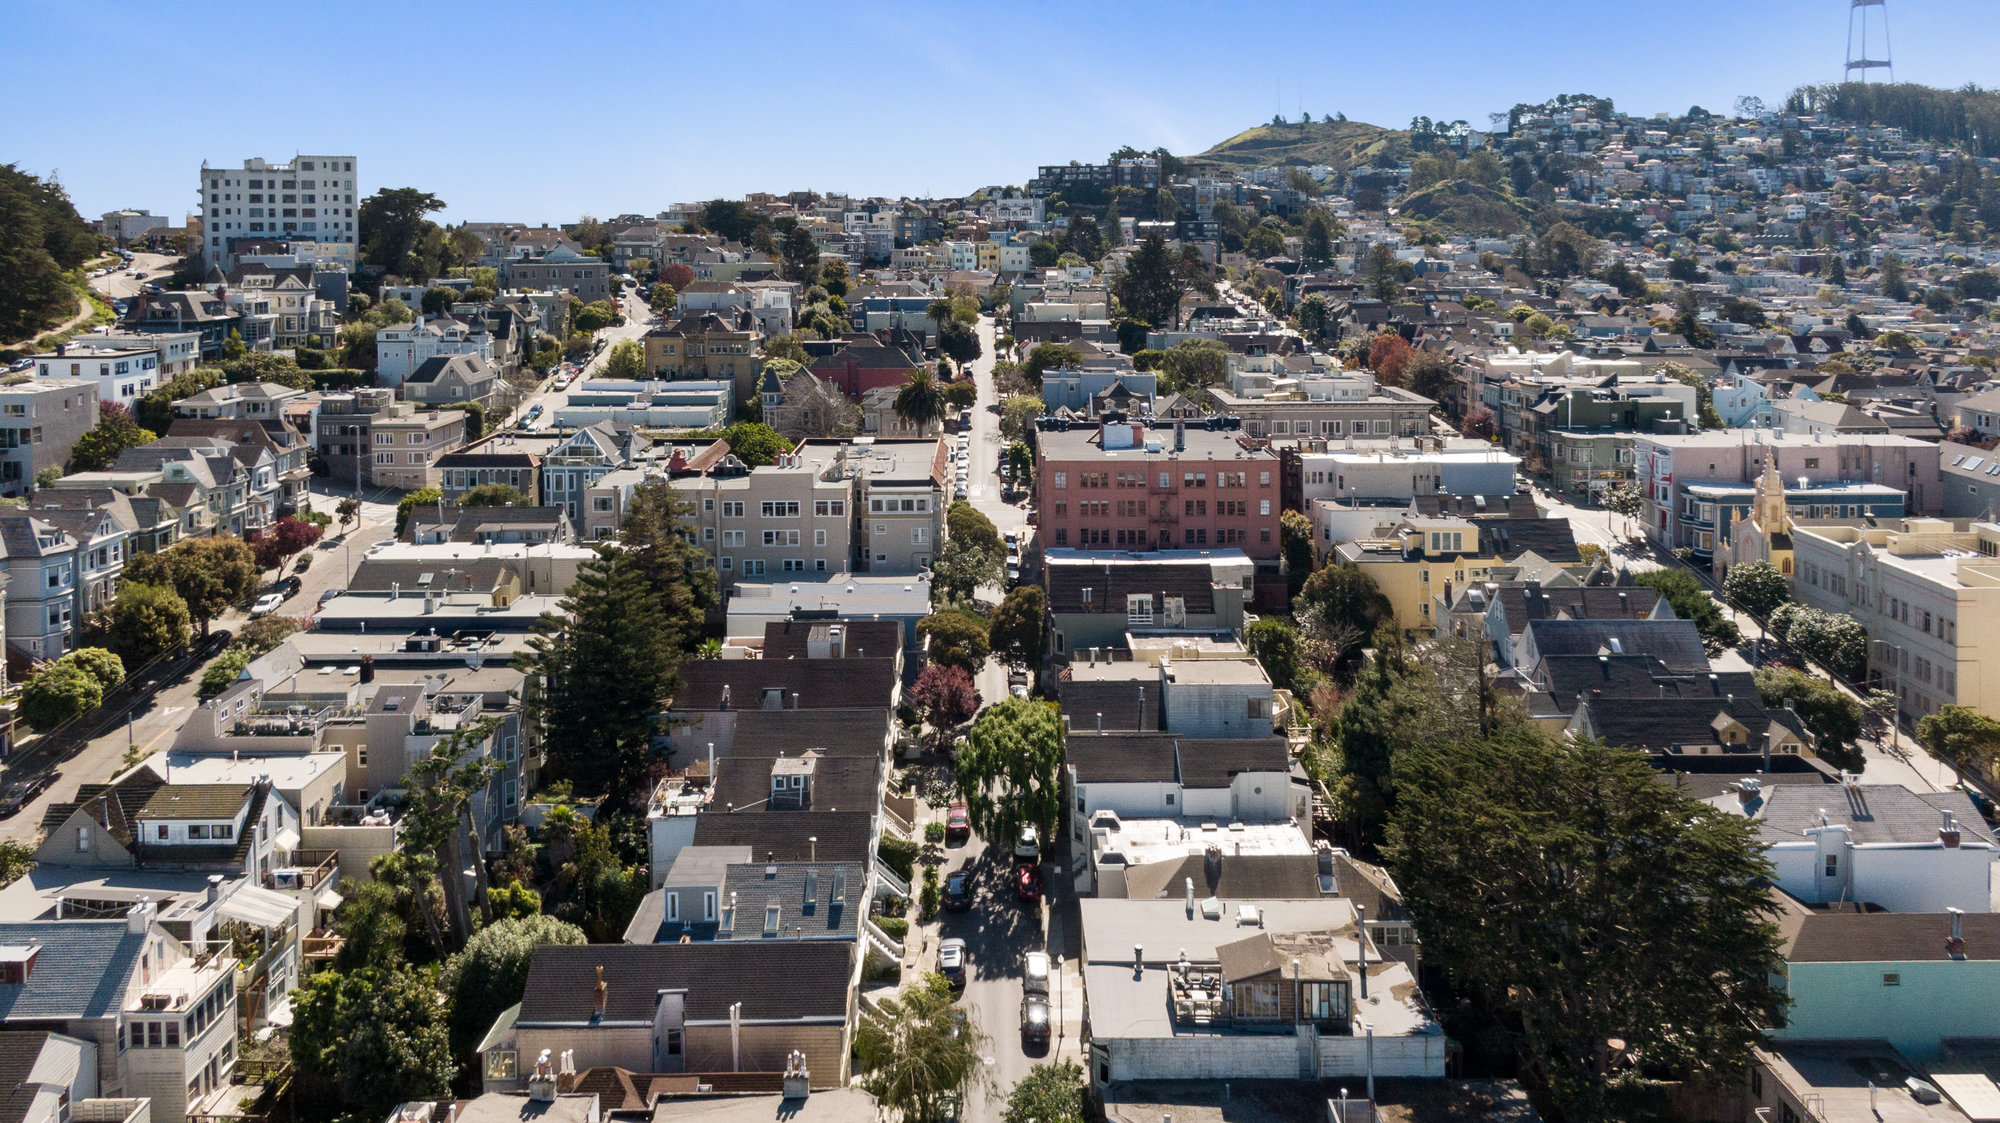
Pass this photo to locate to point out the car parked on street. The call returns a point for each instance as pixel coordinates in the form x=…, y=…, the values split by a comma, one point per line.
x=957, y=824
x=958, y=891
x=266, y=605
x=1028, y=885
x=1034, y=1020
x=1028, y=848
x=21, y=793
x=1035, y=972
x=951, y=962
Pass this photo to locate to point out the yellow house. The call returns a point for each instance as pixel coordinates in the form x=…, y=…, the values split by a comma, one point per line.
x=1424, y=558
x=988, y=255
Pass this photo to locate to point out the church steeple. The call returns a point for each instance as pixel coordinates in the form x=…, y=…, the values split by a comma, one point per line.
x=1768, y=508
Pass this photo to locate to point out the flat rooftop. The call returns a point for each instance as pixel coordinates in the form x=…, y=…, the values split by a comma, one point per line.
x=1839, y=1074
x=286, y=773
x=1140, y=841
x=1127, y=1005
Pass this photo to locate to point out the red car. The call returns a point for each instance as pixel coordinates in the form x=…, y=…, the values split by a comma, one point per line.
x=957, y=824
x=1028, y=885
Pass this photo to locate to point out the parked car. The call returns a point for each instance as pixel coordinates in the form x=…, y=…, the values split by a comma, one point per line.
x=1028, y=885
x=1035, y=1020
x=20, y=793
x=266, y=605
x=1035, y=972
x=290, y=586
x=958, y=891
x=1028, y=848
x=328, y=595
x=1923, y=1091
x=951, y=961
x=957, y=824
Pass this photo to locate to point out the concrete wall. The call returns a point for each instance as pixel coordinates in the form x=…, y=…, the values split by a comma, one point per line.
x=1205, y=1057
x=1196, y=709
x=1921, y=878
x=1394, y=1056
x=1261, y=796
x=1932, y=1000
x=357, y=847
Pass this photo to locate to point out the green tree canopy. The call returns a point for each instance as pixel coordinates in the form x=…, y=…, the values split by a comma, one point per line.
x=962, y=569
x=1017, y=416
x=1827, y=713
x=411, y=500
x=1585, y=902
x=61, y=692
x=1275, y=644
x=919, y=1054
x=1047, y=357
x=491, y=973
x=1757, y=586
x=659, y=538
x=1009, y=768
x=1052, y=1092
x=1962, y=737
x=374, y=1037
x=968, y=524
x=1836, y=641
x=493, y=495
x=393, y=230
x=957, y=639
x=607, y=661
x=210, y=574
x=1018, y=629
x=114, y=432
x=920, y=400
x=1339, y=608
x=1155, y=280
x=144, y=621
x=1690, y=601
x=755, y=443
x=627, y=361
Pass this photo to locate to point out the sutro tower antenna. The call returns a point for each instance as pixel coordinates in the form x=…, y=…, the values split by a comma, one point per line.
x=1857, y=13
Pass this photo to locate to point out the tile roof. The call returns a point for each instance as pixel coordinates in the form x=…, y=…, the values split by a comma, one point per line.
x=774, y=980
x=1126, y=705
x=19, y=1050
x=1674, y=642
x=82, y=971
x=1663, y=724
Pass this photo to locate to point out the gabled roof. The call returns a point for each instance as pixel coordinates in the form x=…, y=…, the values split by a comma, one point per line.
x=788, y=639
x=1676, y=643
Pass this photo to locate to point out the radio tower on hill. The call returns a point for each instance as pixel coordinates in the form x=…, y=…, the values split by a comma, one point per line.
x=1857, y=13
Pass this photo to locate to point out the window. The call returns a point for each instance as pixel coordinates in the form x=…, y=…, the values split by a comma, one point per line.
x=732, y=538
x=1062, y=479
x=502, y=1064
x=82, y=840
x=781, y=538
x=919, y=535
x=779, y=509
x=1257, y=1001
x=819, y=537
x=673, y=906
x=732, y=509
x=830, y=508
x=1892, y=979
x=1139, y=608
x=753, y=567
x=1833, y=865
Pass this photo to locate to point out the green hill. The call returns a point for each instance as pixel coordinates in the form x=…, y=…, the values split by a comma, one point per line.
x=1338, y=144
x=1466, y=207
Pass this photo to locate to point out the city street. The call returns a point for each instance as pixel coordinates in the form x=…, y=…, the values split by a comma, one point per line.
x=126, y=282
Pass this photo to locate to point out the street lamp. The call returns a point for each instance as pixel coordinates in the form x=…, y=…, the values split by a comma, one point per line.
x=1059, y=1005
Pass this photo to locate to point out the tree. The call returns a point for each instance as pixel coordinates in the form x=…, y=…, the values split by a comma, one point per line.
x=1428, y=374
x=281, y=540
x=373, y=1036
x=62, y=692
x=961, y=569
x=1047, y=357
x=1194, y=364
x=1050, y=1093
x=919, y=401
x=662, y=297
x=1295, y=544
x=1827, y=712
x=223, y=671
x=920, y=1053
x=1275, y=643
x=1757, y=586
x=1624, y=500
x=756, y=443
x=957, y=639
x=393, y=227
x=1690, y=601
x=144, y=621
x=210, y=574
x=659, y=537
x=114, y=432
x=1961, y=736
x=1008, y=769
x=627, y=361
x=156, y=410
x=1315, y=316
x=263, y=634
x=1979, y=284
x=1890, y=281
x=966, y=523
x=962, y=395
x=1017, y=416
x=1018, y=629
x=1479, y=424
x=730, y=218
x=1389, y=357
x=98, y=663
x=1840, y=643
x=1339, y=608
x=1380, y=275
x=41, y=238
x=348, y=510
x=1156, y=279
x=595, y=317
x=678, y=276
x=1316, y=248
x=493, y=495
x=437, y=300
x=491, y=973
x=607, y=661
x=421, y=497
x=1584, y=901
x=1687, y=322
x=959, y=342
x=945, y=697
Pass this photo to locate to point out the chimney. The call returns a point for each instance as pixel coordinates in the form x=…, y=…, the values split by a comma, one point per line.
x=1190, y=896
x=1747, y=791
x=140, y=917
x=725, y=705
x=542, y=1082
x=1180, y=436
x=1948, y=833
x=1138, y=959
x=601, y=992
x=798, y=1082
x=215, y=887
x=1955, y=946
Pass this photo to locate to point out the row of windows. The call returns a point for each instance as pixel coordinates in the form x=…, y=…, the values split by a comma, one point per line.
x=1190, y=536
x=1137, y=479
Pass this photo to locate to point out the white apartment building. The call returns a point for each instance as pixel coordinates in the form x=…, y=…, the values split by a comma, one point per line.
x=309, y=198
x=1927, y=590
x=124, y=371
x=401, y=348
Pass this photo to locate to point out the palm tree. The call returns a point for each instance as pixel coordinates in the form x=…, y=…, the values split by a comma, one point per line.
x=939, y=310
x=920, y=402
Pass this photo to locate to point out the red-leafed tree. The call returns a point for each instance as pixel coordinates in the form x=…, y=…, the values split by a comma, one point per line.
x=944, y=695
x=282, y=539
x=1479, y=424
x=1389, y=357
x=679, y=276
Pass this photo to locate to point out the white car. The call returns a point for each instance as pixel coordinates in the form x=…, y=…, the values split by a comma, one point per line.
x=1029, y=848
x=1035, y=972
x=266, y=604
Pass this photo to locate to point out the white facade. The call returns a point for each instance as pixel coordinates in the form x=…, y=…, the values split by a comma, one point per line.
x=402, y=348
x=1351, y=475
x=309, y=198
x=123, y=374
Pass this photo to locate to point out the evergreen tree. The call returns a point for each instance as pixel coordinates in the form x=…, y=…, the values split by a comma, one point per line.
x=660, y=543
x=606, y=663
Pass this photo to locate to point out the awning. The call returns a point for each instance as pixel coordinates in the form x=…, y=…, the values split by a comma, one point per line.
x=328, y=899
x=286, y=840
x=261, y=907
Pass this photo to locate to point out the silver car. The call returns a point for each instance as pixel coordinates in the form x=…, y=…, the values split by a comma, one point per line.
x=1035, y=972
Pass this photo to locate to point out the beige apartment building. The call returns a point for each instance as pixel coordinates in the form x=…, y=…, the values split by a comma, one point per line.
x=407, y=445
x=1927, y=590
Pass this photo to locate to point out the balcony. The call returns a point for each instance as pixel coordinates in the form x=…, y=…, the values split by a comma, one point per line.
x=309, y=870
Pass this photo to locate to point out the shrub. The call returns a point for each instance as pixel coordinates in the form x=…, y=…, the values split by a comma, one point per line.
x=223, y=671
x=934, y=832
x=900, y=855
x=894, y=927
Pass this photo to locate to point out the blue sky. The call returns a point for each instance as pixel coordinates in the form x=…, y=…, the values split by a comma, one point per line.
x=542, y=112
